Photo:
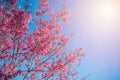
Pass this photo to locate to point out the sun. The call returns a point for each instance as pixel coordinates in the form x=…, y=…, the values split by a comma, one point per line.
x=107, y=10
x=107, y=14
x=105, y=18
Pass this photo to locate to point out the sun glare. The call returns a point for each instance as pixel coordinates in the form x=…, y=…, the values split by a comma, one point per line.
x=106, y=15
x=104, y=18
x=107, y=10
x=101, y=17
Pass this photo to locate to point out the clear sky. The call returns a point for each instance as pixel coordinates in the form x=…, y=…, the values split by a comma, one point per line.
x=97, y=27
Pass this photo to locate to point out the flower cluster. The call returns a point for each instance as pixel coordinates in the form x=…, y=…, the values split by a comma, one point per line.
x=34, y=55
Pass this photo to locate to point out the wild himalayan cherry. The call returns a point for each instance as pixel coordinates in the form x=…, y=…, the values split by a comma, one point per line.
x=36, y=53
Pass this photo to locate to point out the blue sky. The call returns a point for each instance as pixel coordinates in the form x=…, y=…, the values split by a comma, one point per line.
x=97, y=27
x=97, y=30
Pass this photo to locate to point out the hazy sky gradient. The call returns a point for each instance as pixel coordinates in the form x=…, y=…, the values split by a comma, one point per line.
x=97, y=27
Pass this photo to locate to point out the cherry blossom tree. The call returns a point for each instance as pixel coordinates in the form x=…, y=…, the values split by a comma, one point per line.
x=37, y=54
